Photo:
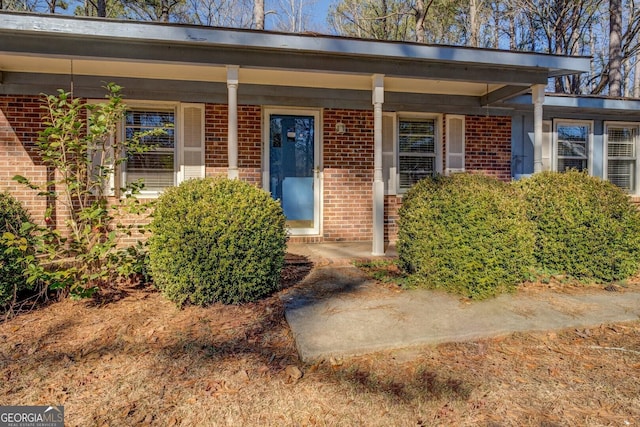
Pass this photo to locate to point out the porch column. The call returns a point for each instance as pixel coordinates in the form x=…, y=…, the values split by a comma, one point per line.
x=537, y=96
x=232, y=124
x=378, y=183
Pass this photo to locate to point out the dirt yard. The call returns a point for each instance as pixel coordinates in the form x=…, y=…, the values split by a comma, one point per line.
x=134, y=359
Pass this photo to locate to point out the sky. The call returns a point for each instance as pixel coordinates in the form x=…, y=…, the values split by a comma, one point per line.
x=320, y=10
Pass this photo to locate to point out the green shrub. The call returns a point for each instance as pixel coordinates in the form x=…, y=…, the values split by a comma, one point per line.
x=585, y=227
x=217, y=240
x=12, y=279
x=465, y=233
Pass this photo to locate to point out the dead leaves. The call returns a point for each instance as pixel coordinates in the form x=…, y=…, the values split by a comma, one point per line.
x=293, y=373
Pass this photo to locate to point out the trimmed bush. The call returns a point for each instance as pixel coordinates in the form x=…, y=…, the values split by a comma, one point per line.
x=465, y=233
x=585, y=227
x=217, y=240
x=12, y=279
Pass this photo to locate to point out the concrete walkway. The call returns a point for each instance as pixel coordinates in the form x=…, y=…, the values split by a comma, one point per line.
x=337, y=311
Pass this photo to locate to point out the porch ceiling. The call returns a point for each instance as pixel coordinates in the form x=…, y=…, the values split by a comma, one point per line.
x=10, y=62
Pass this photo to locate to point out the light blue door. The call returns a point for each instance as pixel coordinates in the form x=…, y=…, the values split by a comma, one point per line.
x=291, y=168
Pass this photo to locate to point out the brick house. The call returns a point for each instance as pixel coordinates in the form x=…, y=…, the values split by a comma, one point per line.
x=337, y=129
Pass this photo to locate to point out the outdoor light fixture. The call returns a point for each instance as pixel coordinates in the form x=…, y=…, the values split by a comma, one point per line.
x=341, y=128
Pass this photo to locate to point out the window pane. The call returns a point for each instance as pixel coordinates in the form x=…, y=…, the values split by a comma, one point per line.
x=156, y=166
x=573, y=146
x=566, y=164
x=424, y=127
x=620, y=173
x=417, y=144
x=417, y=149
x=579, y=133
x=621, y=151
x=572, y=149
x=413, y=169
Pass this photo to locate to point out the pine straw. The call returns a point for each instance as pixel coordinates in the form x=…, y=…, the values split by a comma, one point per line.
x=140, y=361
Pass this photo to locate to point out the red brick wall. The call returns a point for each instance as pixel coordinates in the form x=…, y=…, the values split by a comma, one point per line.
x=348, y=175
x=488, y=146
x=20, y=122
x=347, y=159
x=249, y=141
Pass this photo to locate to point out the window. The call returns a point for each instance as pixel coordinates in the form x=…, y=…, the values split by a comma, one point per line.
x=156, y=167
x=621, y=142
x=177, y=155
x=416, y=150
x=572, y=145
x=411, y=149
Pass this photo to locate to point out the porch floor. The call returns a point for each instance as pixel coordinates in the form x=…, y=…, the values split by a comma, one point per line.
x=339, y=252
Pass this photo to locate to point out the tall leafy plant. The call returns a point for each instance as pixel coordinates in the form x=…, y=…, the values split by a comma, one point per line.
x=78, y=143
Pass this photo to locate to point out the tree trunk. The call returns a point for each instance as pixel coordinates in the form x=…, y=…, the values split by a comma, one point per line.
x=102, y=8
x=636, y=78
x=627, y=81
x=258, y=14
x=421, y=14
x=559, y=30
x=512, y=30
x=592, y=66
x=164, y=11
x=615, y=60
x=473, y=23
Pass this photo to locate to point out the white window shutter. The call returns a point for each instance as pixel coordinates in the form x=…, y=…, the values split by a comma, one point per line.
x=455, y=144
x=191, y=156
x=389, y=173
x=546, y=145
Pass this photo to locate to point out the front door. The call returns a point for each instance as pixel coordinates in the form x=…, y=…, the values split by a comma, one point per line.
x=292, y=161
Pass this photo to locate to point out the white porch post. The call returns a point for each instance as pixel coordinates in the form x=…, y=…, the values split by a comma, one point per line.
x=232, y=133
x=378, y=183
x=538, y=99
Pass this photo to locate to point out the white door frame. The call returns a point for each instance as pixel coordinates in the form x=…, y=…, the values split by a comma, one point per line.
x=317, y=154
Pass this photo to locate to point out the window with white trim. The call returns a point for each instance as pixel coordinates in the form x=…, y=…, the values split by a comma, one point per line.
x=621, y=140
x=417, y=143
x=177, y=154
x=572, y=145
x=156, y=167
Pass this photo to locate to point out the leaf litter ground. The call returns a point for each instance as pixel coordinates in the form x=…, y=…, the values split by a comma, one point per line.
x=135, y=359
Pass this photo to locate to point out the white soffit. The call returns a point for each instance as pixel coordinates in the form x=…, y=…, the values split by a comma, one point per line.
x=208, y=73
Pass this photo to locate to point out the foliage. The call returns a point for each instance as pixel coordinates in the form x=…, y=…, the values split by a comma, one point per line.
x=12, y=277
x=217, y=240
x=585, y=227
x=580, y=27
x=465, y=233
x=77, y=143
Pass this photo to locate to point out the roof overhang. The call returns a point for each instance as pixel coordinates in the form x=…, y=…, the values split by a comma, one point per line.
x=31, y=43
x=562, y=105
